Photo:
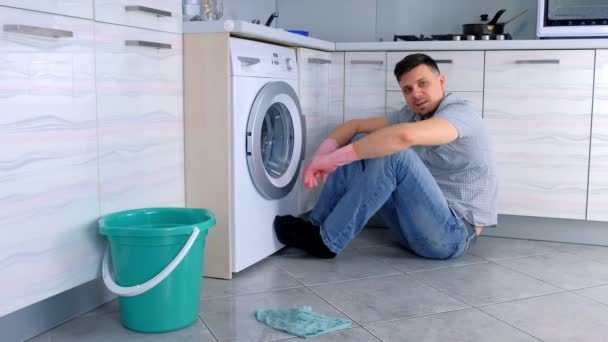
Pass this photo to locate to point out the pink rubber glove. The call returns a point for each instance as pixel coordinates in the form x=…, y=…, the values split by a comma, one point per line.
x=328, y=163
x=327, y=146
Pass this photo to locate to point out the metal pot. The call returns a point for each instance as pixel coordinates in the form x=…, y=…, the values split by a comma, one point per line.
x=489, y=27
x=485, y=27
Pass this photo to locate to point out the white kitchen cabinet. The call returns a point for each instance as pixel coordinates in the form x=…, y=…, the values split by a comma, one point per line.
x=140, y=114
x=313, y=67
x=74, y=8
x=365, y=79
x=463, y=70
x=395, y=100
x=48, y=159
x=313, y=73
x=162, y=15
x=537, y=107
x=597, y=209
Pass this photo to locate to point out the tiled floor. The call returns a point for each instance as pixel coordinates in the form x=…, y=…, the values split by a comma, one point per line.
x=503, y=290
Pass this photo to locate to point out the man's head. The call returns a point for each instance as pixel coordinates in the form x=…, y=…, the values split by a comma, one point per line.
x=422, y=84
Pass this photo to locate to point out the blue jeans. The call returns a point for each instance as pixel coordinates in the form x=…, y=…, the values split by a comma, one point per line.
x=408, y=198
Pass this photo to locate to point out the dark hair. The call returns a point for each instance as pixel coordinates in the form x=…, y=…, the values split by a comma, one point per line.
x=411, y=61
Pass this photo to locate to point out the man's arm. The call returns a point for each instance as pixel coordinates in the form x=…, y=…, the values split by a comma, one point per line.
x=348, y=130
x=395, y=138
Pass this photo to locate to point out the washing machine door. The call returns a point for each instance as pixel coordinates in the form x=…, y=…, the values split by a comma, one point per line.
x=275, y=140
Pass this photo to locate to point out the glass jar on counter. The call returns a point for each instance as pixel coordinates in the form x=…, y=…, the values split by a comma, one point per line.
x=213, y=9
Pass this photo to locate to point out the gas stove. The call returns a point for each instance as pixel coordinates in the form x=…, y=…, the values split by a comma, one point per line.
x=414, y=38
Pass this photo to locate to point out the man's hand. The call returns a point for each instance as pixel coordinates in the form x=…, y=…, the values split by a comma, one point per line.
x=323, y=165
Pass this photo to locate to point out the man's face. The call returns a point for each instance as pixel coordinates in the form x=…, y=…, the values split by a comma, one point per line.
x=422, y=89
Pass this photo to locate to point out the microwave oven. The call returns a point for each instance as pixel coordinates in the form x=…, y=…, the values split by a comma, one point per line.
x=572, y=18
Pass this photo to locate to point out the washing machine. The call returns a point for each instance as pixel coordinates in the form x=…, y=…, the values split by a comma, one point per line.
x=267, y=146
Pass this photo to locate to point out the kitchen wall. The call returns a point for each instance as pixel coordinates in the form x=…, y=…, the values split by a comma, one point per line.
x=248, y=10
x=371, y=20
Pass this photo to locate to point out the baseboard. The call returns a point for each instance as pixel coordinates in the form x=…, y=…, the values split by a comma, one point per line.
x=49, y=313
x=550, y=229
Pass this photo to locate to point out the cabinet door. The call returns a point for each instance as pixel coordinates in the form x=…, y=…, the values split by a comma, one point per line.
x=162, y=15
x=598, y=174
x=140, y=113
x=537, y=107
x=73, y=8
x=313, y=67
x=395, y=100
x=463, y=70
x=365, y=78
x=48, y=158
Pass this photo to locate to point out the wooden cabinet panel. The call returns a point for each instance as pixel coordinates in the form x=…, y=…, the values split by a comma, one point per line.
x=73, y=8
x=365, y=77
x=598, y=174
x=537, y=107
x=162, y=15
x=48, y=159
x=140, y=113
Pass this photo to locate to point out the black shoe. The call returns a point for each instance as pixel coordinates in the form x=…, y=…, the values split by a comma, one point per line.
x=299, y=233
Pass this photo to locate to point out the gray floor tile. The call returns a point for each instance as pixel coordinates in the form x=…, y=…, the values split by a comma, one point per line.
x=469, y=325
x=45, y=337
x=482, y=284
x=562, y=246
x=493, y=248
x=373, y=236
x=599, y=294
x=262, y=277
x=107, y=327
x=597, y=253
x=288, y=251
x=386, y=298
x=565, y=270
x=403, y=260
x=346, y=266
x=557, y=317
x=233, y=318
x=107, y=308
x=350, y=335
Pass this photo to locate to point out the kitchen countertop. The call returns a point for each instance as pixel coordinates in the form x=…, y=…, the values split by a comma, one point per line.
x=273, y=35
x=533, y=44
x=245, y=29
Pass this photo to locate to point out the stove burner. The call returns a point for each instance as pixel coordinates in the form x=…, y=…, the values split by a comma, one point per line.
x=414, y=38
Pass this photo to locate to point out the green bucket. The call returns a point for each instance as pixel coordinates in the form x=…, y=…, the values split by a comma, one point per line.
x=157, y=256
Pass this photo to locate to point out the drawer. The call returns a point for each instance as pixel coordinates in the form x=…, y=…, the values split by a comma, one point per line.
x=395, y=100
x=463, y=70
x=74, y=8
x=313, y=71
x=557, y=72
x=365, y=78
x=162, y=15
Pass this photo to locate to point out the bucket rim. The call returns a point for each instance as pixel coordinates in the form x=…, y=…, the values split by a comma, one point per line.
x=208, y=220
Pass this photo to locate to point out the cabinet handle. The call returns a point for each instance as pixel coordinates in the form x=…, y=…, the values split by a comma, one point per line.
x=147, y=44
x=319, y=61
x=365, y=61
x=150, y=10
x=248, y=60
x=444, y=61
x=38, y=31
x=537, y=61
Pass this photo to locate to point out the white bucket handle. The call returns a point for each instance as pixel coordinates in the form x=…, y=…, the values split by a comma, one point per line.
x=139, y=289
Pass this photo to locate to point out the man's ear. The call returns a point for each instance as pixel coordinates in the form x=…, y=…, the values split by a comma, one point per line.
x=442, y=80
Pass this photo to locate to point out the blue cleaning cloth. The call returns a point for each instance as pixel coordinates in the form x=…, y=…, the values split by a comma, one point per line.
x=301, y=321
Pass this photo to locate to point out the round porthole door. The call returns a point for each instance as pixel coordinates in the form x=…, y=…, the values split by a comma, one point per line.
x=275, y=140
